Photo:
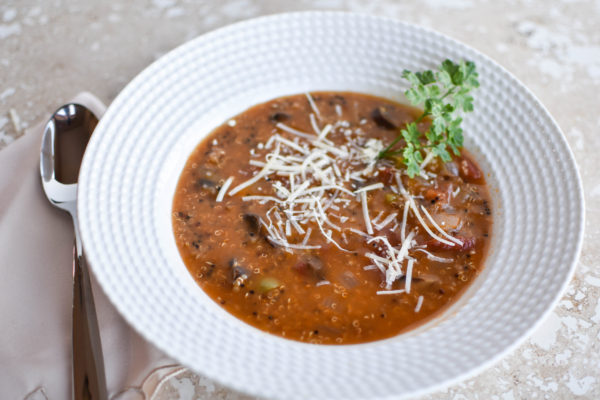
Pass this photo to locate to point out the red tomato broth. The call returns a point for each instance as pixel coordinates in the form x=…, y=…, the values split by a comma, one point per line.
x=282, y=291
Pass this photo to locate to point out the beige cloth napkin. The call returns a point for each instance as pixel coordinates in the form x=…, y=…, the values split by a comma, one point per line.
x=36, y=242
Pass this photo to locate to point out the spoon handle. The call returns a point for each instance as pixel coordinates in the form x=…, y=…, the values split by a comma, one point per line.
x=89, y=382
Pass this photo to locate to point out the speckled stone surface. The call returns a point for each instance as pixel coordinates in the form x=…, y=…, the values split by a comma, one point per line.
x=51, y=50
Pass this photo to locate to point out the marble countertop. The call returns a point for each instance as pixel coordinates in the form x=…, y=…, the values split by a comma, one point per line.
x=51, y=50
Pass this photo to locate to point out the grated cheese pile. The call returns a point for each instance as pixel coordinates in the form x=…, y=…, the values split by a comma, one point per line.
x=314, y=180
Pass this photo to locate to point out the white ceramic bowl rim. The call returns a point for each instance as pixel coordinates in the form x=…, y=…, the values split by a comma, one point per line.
x=135, y=156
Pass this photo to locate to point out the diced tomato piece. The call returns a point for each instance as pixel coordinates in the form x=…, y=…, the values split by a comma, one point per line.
x=302, y=267
x=467, y=244
x=469, y=171
x=386, y=176
x=310, y=266
x=435, y=194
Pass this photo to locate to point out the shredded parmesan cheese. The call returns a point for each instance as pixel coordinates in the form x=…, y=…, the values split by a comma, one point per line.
x=365, y=210
x=380, y=292
x=305, y=240
x=224, y=189
x=452, y=238
x=293, y=246
x=413, y=207
x=361, y=233
x=376, y=219
x=404, y=216
x=313, y=105
x=409, y=269
x=370, y=187
x=315, y=125
x=385, y=222
x=435, y=258
x=293, y=131
x=324, y=132
x=419, y=304
x=338, y=110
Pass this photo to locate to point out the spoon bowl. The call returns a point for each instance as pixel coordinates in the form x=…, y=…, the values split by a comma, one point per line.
x=63, y=144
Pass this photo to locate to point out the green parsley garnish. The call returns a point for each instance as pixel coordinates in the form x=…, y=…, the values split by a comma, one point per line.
x=445, y=95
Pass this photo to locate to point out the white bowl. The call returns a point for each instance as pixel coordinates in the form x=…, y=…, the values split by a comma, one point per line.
x=134, y=159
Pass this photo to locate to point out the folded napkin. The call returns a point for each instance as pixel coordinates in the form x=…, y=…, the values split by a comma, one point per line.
x=36, y=244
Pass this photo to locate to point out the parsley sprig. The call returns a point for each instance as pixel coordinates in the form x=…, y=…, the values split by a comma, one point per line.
x=445, y=96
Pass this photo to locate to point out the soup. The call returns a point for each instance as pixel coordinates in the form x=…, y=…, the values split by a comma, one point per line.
x=285, y=218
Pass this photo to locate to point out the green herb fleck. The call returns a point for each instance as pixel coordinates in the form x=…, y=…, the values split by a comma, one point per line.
x=444, y=95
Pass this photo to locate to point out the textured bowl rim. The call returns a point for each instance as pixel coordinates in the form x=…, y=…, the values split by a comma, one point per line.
x=144, y=75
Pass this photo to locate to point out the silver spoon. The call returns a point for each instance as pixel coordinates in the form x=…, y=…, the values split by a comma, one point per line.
x=63, y=144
